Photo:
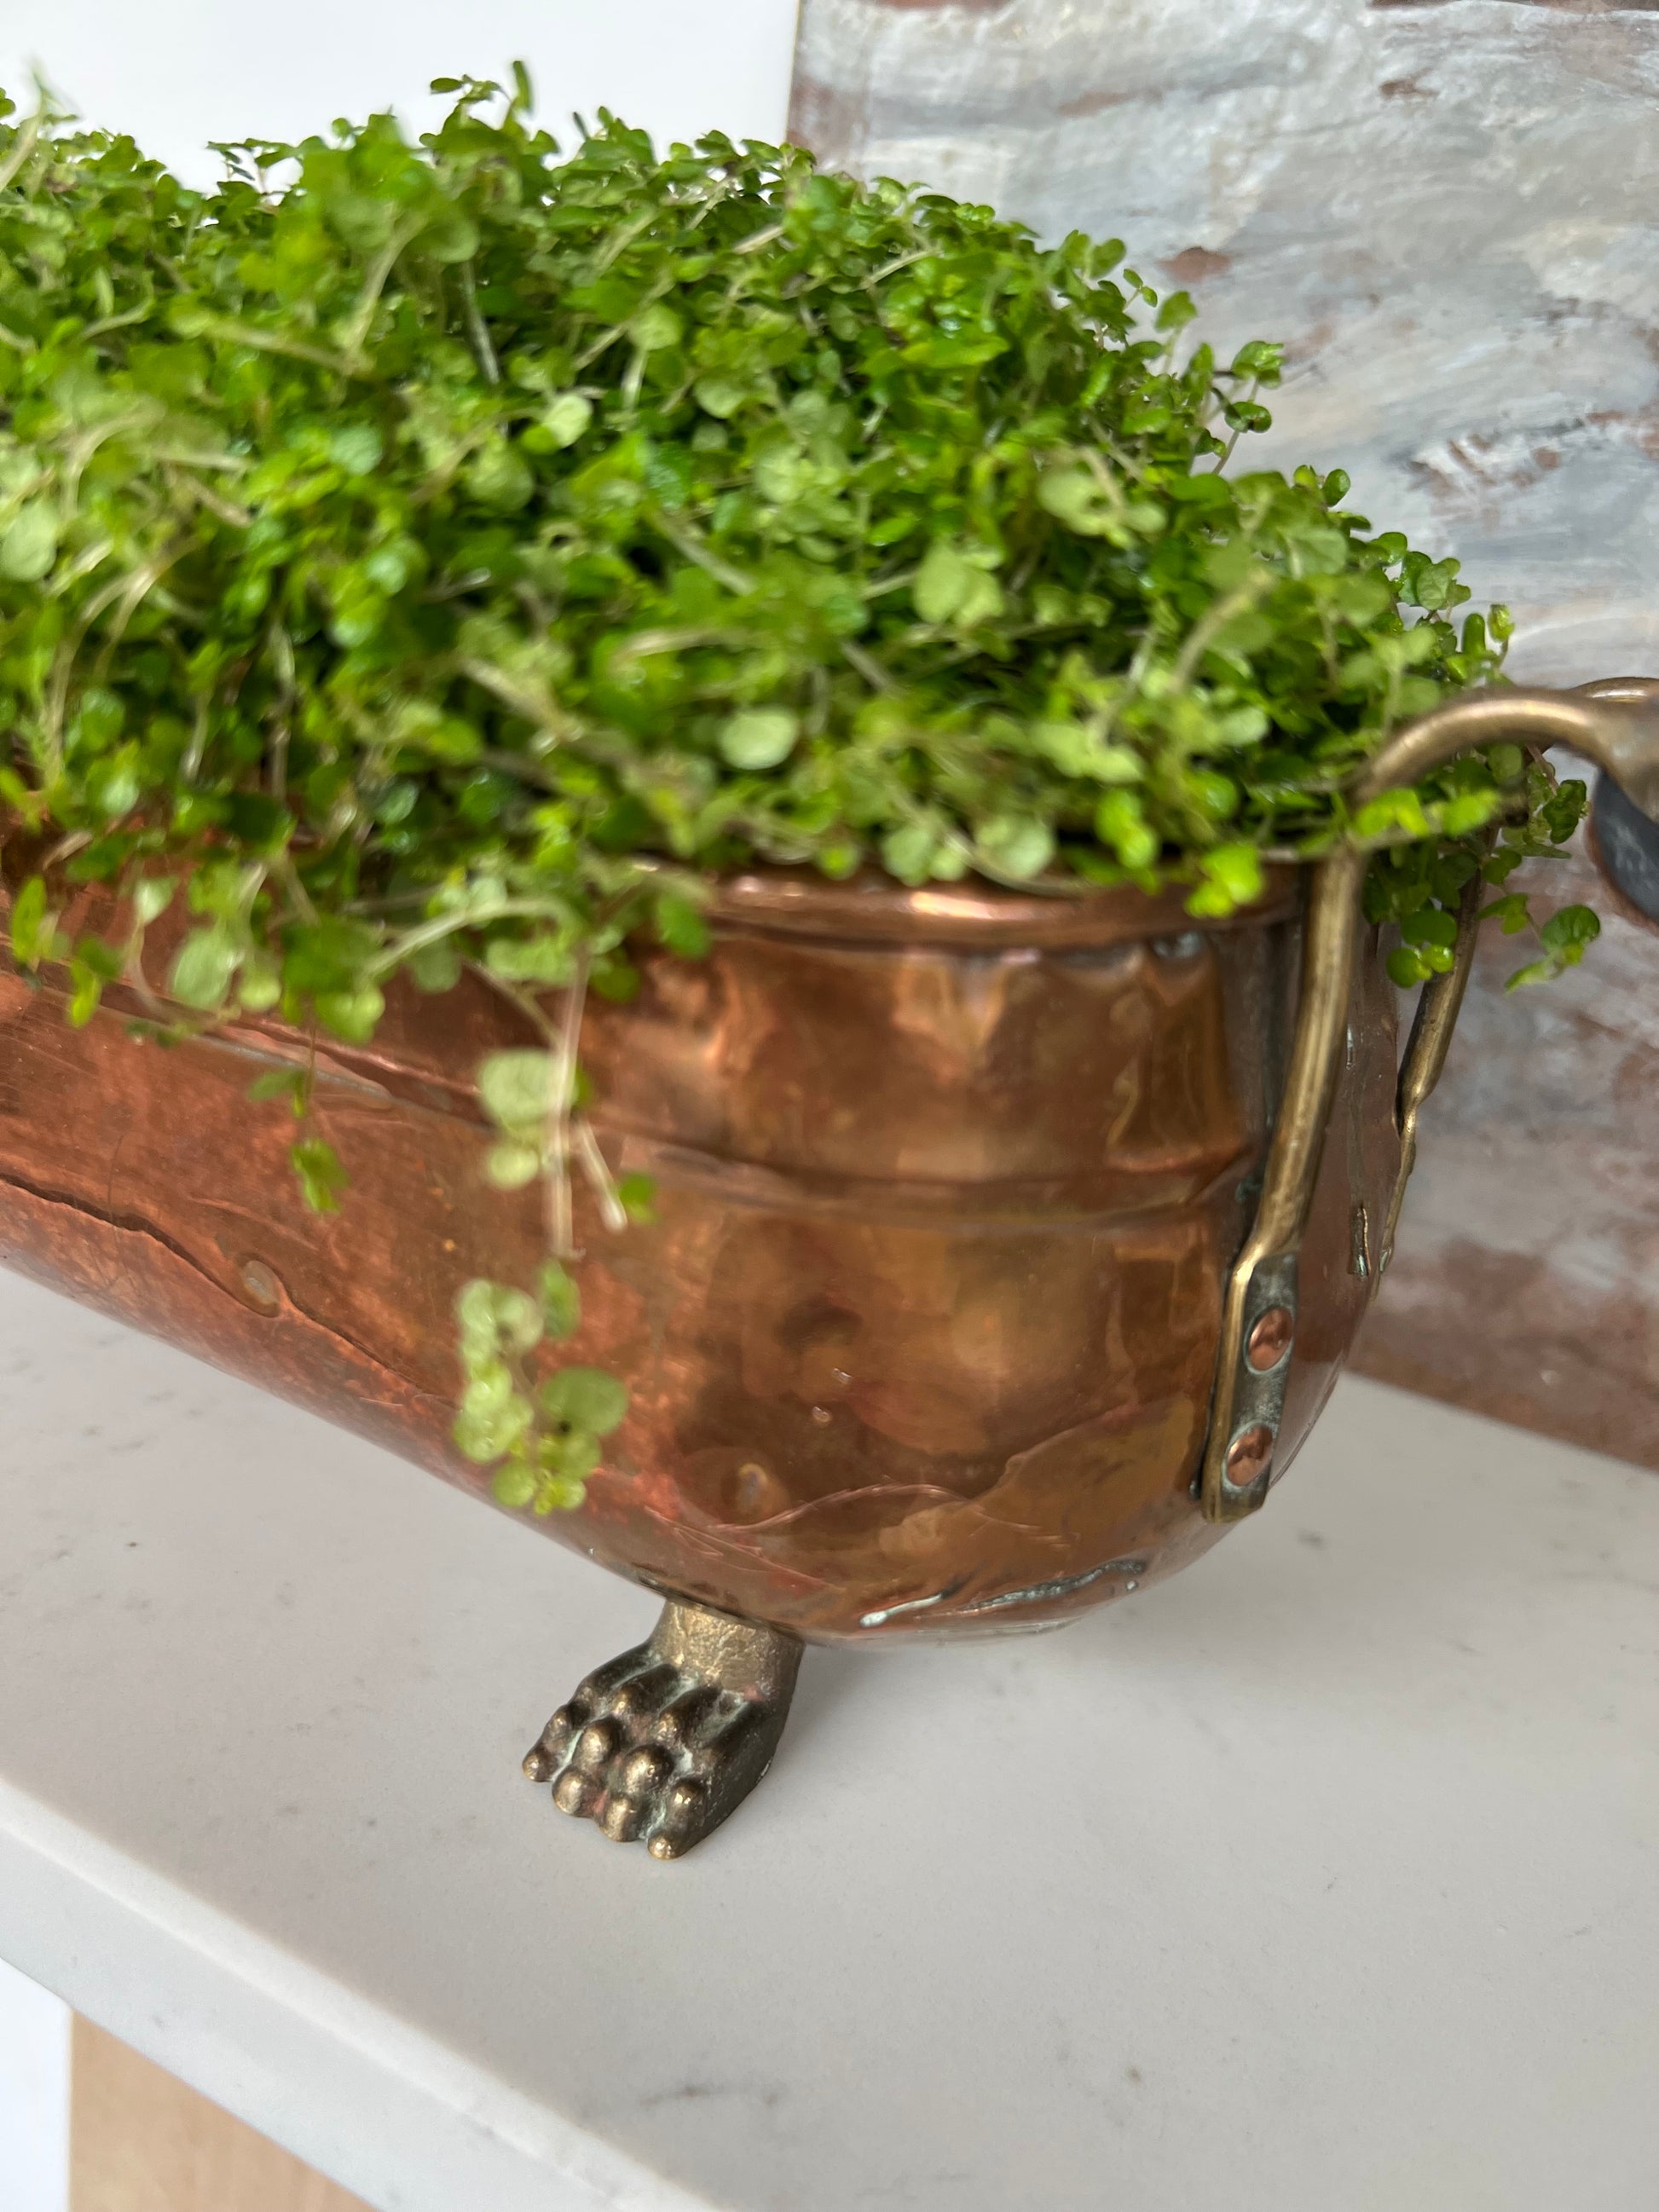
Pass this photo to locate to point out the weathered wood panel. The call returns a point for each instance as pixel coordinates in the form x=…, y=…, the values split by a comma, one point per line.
x=142, y=2142
x=1450, y=210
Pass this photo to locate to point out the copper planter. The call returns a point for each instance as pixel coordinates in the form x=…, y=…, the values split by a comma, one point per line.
x=923, y=1337
x=973, y=1298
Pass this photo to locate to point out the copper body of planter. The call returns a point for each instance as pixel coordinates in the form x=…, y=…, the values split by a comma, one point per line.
x=923, y=1339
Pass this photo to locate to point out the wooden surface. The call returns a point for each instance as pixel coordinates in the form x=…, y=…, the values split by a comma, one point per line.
x=142, y=2142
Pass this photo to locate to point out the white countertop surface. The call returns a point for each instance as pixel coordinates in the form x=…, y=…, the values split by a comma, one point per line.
x=1325, y=1875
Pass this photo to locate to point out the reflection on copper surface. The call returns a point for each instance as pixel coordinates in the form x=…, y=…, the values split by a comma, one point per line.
x=1270, y=1339
x=922, y=1339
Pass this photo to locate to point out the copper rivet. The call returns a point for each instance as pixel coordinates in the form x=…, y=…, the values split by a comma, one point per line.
x=259, y=1286
x=1249, y=1455
x=1270, y=1339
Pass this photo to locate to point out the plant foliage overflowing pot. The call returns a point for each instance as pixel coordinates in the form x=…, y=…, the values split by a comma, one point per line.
x=911, y=898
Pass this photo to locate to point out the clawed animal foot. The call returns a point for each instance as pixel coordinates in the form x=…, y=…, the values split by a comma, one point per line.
x=661, y=1744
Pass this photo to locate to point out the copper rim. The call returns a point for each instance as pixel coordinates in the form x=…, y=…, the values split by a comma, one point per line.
x=873, y=908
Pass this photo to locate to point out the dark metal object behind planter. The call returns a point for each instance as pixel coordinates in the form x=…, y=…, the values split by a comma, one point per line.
x=966, y=1201
x=1627, y=846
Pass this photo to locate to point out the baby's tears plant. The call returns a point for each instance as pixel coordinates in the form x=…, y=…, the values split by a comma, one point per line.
x=425, y=557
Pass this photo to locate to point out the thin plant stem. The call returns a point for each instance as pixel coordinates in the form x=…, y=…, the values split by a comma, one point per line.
x=560, y=1099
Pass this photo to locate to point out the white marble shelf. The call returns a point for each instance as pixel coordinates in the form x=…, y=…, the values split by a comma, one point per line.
x=1325, y=1875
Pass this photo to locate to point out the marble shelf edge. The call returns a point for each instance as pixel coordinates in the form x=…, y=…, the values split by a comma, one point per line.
x=198, y=1993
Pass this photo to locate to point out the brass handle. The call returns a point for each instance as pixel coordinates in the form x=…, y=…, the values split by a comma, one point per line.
x=1614, y=723
x=1438, y=1005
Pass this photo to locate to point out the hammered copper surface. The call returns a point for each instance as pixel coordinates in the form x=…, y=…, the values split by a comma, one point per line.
x=923, y=1337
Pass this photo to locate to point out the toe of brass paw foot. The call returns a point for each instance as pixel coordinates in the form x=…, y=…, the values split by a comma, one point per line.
x=661, y=1744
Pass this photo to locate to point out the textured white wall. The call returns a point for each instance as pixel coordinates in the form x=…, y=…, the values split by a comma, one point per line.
x=177, y=73
x=34, y=2074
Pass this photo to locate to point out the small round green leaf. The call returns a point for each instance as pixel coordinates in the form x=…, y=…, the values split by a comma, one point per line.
x=719, y=396
x=514, y=1486
x=203, y=966
x=567, y=417
x=516, y=1088
x=657, y=329
x=585, y=1398
x=1015, y=845
x=941, y=583
x=510, y=1166
x=29, y=544
x=761, y=737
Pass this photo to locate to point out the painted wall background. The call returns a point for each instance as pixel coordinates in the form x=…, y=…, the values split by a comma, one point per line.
x=1450, y=210
x=35, y=2097
x=177, y=73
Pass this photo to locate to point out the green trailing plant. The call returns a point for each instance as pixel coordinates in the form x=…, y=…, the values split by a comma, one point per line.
x=421, y=557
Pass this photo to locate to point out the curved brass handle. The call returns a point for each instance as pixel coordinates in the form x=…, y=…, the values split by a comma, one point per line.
x=1438, y=1005
x=1616, y=725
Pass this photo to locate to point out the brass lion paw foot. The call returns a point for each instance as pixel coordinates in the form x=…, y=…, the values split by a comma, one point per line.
x=662, y=1743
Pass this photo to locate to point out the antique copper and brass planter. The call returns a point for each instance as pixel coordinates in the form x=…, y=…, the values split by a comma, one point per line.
x=1006, y=1246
